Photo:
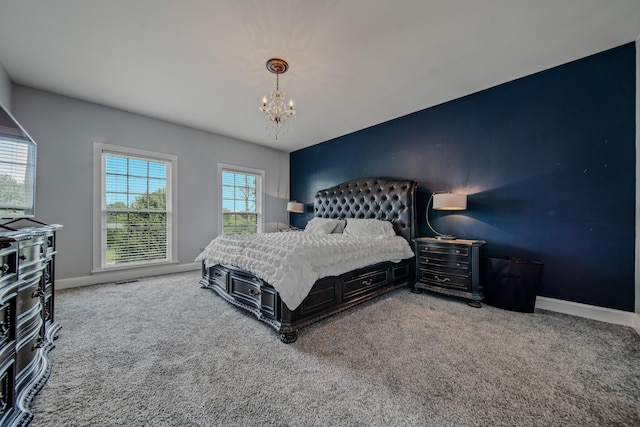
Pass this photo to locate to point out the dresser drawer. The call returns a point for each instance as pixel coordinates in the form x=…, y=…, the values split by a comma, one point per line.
x=51, y=243
x=47, y=310
x=7, y=381
x=32, y=251
x=28, y=296
x=47, y=273
x=26, y=355
x=7, y=323
x=29, y=323
x=8, y=264
x=29, y=340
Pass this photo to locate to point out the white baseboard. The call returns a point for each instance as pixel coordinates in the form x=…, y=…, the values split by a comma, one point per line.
x=609, y=315
x=619, y=317
x=123, y=275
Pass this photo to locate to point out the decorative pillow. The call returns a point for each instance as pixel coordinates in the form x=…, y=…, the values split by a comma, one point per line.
x=322, y=225
x=369, y=228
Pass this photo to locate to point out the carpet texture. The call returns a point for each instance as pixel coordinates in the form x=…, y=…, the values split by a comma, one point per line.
x=164, y=352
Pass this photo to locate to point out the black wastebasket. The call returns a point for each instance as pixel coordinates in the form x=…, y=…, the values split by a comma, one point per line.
x=512, y=283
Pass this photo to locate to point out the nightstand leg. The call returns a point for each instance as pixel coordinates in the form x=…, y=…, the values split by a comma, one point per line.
x=475, y=304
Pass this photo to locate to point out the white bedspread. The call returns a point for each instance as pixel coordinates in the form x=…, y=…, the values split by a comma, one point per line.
x=292, y=262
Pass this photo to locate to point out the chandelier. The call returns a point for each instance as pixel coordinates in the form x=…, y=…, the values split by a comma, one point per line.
x=275, y=108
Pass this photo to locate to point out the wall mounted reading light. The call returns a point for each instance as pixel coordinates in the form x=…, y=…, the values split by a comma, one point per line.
x=446, y=202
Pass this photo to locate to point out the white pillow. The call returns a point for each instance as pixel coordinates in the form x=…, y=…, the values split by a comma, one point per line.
x=369, y=228
x=322, y=225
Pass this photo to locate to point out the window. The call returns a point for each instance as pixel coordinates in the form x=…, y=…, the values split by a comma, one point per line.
x=17, y=176
x=241, y=199
x=136, y=210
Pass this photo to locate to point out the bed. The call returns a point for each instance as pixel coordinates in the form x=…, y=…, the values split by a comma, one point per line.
x=391, y=201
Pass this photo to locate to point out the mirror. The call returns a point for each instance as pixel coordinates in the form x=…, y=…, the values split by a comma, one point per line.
x=17, y=169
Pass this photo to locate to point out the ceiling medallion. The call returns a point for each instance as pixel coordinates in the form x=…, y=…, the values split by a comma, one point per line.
x=275, y=109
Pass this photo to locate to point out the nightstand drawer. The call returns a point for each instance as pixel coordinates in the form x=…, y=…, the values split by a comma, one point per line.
x=440, y=278
x=443, y=263
x=443, y=251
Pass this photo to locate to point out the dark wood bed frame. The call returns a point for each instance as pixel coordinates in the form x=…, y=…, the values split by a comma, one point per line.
x=381, y=198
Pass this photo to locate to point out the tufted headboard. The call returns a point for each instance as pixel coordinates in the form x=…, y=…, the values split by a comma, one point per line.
x=380, y=198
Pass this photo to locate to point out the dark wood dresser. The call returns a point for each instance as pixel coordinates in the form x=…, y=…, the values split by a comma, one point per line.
x=27, y=324
x=449, y=266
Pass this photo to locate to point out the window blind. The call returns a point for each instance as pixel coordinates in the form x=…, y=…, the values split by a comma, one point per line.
x=240, y=209
x=136, y=213
x=17, y=175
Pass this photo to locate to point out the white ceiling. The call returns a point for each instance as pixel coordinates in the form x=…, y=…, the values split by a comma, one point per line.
x=353, y=63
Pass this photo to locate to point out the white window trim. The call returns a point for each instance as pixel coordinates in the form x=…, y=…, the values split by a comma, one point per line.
x=172, y=201
x=259, y=196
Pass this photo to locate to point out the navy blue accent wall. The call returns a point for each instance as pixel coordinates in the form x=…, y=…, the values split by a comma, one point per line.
x=547, y=161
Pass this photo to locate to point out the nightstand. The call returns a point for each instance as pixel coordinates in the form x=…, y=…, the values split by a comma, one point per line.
x=449, y=266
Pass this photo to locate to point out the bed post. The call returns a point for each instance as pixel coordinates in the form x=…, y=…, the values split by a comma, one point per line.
x=287, y=333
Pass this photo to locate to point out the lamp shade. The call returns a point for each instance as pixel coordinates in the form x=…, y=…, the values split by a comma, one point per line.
x=449, y=202
x=295, y=207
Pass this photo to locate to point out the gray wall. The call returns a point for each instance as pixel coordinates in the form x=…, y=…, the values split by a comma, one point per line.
x=5, y=89
x=65, y=129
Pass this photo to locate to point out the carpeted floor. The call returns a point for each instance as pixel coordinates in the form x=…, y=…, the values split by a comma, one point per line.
x=164, y=352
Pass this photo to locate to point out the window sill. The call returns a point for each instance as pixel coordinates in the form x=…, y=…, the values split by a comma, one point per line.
x=132, y=267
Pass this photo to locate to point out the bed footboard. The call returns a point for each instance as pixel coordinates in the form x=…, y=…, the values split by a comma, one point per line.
x=328, y=296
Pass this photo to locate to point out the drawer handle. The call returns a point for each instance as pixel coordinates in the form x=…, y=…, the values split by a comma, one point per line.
x=5, y=268
x=254, y=293
x=446, y=279
x=37, y=294
x=38, y=344
x=23, y=257
x=367, y=282
x=458, y=251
